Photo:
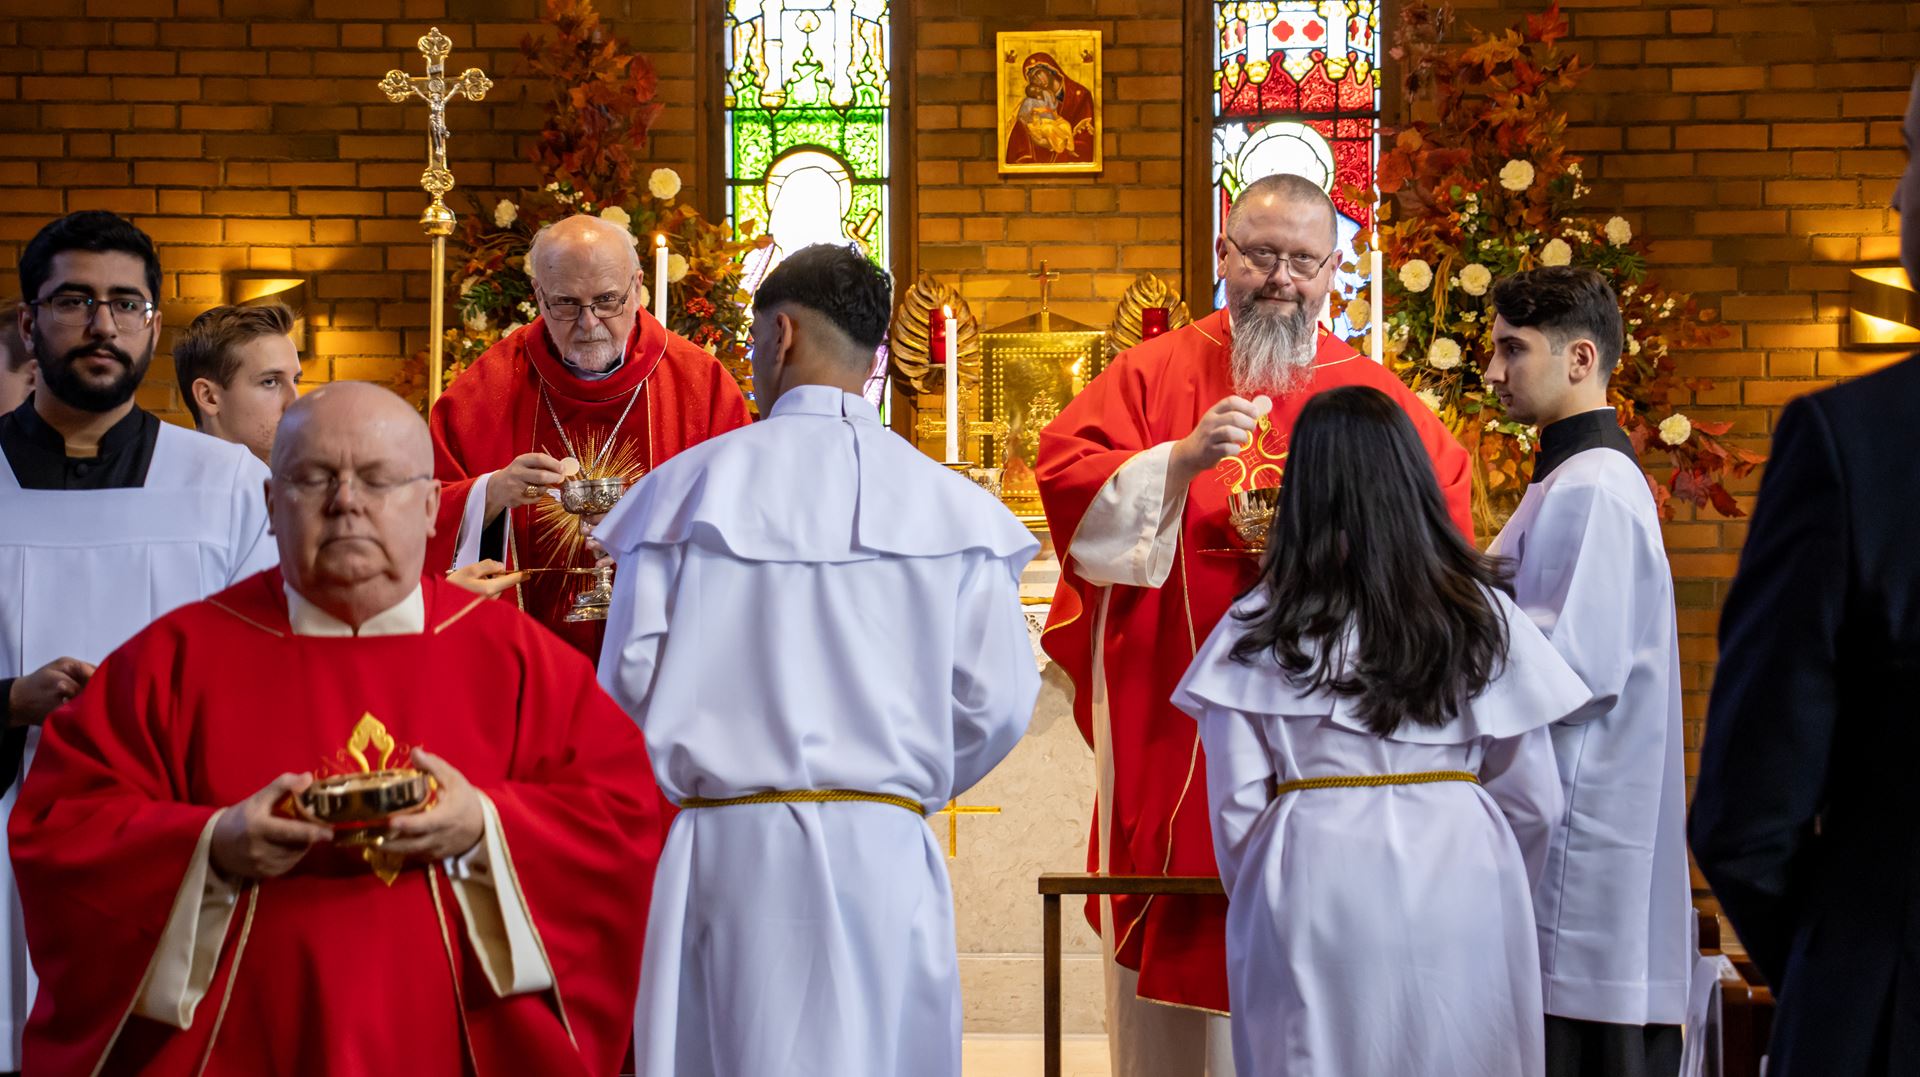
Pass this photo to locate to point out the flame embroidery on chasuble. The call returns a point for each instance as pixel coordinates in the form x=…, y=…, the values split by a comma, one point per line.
x=1260, y=464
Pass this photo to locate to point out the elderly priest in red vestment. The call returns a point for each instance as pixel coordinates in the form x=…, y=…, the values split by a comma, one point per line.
x=186, y=918
x=1135, y=475
x=595, y=380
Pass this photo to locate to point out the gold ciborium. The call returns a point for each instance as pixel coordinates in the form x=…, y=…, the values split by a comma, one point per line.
x=358, y=806
x=592, y=497
x=1251, y=514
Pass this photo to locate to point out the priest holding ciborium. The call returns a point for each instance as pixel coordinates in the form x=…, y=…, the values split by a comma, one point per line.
x=342, y=817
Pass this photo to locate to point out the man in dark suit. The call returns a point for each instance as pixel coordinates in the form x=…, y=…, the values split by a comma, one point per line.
x=1805, y=819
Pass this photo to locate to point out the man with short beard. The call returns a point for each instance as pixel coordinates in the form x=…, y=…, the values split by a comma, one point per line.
x=1135, y=475
x=108, y=517
x=594, y=380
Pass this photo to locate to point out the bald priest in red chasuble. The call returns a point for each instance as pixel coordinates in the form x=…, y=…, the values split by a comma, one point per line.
x=1135, y=475
x=195, y=907
x=594, y=386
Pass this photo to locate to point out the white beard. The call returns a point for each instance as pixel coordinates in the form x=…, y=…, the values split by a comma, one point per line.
x=1272, y=350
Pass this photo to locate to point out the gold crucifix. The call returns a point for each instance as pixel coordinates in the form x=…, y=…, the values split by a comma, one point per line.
x=1046, y=280
x=953, y=811
x=436, y=90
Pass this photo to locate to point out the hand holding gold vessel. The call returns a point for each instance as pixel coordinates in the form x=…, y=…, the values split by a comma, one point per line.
x=450, y=827
x=253, y=840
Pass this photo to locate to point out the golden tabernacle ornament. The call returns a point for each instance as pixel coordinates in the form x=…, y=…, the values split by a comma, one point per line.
x=358, y=804
x=909, y=345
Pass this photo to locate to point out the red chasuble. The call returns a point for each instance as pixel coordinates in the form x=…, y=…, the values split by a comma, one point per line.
x=327, y=970
x=494, y=412
x=1151, y=394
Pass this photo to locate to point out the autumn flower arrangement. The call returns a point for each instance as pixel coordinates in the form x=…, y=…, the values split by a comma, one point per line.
x=601, y=106
x=1482, y=186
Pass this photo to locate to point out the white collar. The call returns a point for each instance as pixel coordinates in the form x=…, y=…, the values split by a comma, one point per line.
x=408, y=617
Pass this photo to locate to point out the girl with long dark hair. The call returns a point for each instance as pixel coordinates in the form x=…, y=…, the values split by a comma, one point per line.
x=1382, y=782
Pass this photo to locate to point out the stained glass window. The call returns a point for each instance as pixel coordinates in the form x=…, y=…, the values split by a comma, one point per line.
x=1297, y=89
x=807, y=109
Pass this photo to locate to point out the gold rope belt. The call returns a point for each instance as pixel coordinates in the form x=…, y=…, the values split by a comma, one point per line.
x=807, y=796
x=1368, y=781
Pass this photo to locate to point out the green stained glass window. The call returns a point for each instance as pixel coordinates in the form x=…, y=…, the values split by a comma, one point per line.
x=807, y=111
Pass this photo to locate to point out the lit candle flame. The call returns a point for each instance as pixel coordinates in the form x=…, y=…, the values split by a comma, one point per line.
x=659, y=240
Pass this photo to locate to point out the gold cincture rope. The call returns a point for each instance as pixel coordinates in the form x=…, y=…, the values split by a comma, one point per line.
x=807, y=796
x=1368, y=781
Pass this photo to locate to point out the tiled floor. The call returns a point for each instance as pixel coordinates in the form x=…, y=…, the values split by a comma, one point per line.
x=1019, y=1056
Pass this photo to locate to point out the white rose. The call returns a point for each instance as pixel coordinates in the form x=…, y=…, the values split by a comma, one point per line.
x=1675, y=429
x=1416, y=275
x=477, y=321
x=1619, y=232
x=1359, y=313
x=1430, y=398
x=505, y=213
x=1517, y=175
x=676, y=268
x=1556, y=253
x=1475, y=279
x=1633, y=345
x=616, y=215
x=664, y=183
x=1444, y=353
x=529, y=309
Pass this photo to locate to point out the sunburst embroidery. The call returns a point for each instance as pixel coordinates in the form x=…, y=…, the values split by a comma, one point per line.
x=626, y=458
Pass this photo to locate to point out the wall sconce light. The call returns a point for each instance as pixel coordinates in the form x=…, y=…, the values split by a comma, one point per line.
x=1885, y=309
x=259, y=289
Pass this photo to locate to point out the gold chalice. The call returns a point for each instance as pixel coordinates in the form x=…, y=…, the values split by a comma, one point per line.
x=358, y=806
x=592, y=497
x=1251, y=514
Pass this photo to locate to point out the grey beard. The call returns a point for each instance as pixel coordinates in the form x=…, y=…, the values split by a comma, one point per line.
x=1272, y=350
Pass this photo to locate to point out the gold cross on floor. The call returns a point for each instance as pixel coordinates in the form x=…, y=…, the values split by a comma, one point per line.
x=953, y=811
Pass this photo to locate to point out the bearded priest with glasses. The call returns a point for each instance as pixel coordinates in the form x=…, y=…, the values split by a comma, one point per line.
x=593, y=387
x=1134, y=475
x=109, y=517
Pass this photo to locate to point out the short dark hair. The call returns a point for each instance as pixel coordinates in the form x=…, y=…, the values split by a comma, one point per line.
x=1362, y=543
x=839, y=284
x=1565, y=302
x=205, y=350
x=87, y=230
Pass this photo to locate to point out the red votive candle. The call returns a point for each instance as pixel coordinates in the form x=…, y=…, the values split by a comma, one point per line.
x=1153, y=322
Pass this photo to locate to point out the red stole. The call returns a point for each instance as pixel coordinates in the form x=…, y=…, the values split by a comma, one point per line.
x=326, y=969
x=1156, y=393
x=495, y=411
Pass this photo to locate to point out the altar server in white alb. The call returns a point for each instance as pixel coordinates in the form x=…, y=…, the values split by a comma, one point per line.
x=1382, y=783
x=1616, y=919
x=108, y=516
x=819, y=631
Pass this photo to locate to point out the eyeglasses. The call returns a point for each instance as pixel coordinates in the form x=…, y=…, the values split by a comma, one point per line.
x=74, y=311
x=324, y=485
x=1266, y=260
x=562, y=311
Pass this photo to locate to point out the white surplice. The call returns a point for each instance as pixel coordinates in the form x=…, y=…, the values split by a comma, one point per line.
x=1383, y=931
x=1615, y=910
x=82, y=570
x=809, y=603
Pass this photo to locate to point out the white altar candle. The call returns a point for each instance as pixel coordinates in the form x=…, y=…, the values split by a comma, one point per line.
x=953, y=386
x=1376, y=331
x=660, y=278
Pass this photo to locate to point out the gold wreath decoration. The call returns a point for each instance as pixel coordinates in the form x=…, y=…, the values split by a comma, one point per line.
x=1146, y=291
x=907, y=341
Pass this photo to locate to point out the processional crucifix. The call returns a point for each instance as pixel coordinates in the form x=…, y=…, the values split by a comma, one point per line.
x=435, y=89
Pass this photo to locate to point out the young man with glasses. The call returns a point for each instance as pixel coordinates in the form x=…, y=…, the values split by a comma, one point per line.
x=1135, y=475
x=108, y=517
x=594, y=387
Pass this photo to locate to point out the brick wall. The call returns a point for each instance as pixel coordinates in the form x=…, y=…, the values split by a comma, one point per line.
x=250, y=135
x=1757, y=145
